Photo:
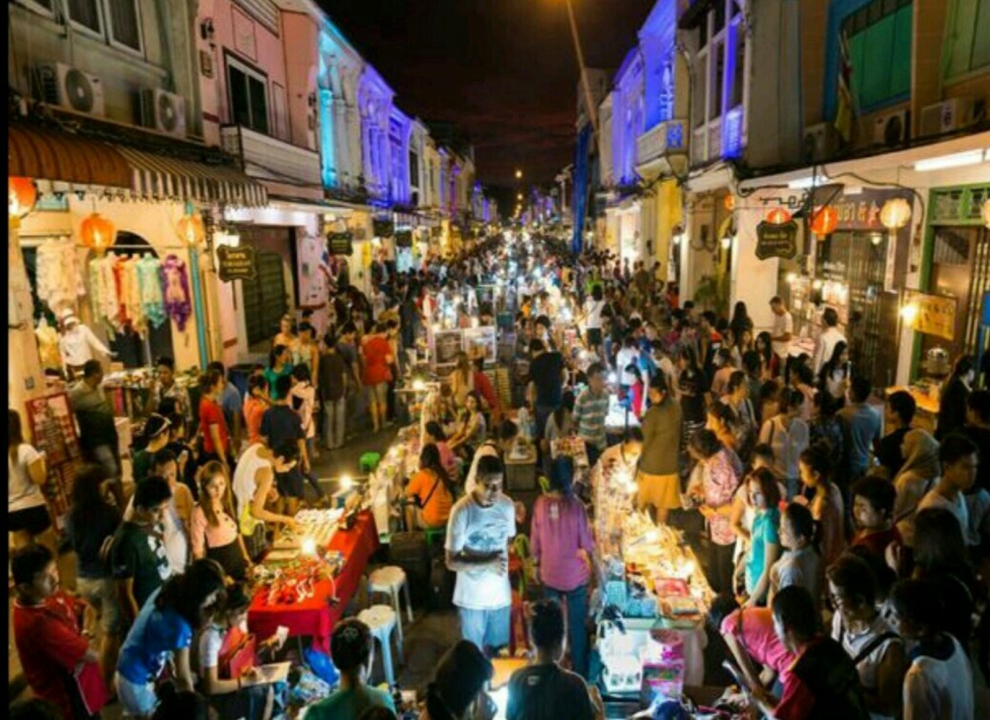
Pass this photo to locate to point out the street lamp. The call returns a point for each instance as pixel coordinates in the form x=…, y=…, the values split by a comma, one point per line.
x=518, y=174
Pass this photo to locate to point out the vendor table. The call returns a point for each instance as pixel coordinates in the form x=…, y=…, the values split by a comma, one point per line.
x=316, y=616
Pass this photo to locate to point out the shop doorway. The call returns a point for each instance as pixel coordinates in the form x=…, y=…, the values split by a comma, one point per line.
x=133, y=349
x=852, y=267
x=960, y=268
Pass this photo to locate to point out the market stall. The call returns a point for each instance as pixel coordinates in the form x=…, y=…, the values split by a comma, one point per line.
x=309, y=592
x=654, y=592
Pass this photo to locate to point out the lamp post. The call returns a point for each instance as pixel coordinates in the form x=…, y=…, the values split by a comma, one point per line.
x=584, y=76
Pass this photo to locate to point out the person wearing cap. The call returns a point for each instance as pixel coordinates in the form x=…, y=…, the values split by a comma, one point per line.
x=97, y=430
x=77, y=344
x=156, y=435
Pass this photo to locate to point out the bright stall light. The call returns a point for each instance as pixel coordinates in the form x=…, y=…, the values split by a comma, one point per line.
x=308, y=546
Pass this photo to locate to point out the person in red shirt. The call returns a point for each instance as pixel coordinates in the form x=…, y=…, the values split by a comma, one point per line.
x=484, y=387
x=58, y=663
x=212, y=425
x=376, y=352
x=873, y=512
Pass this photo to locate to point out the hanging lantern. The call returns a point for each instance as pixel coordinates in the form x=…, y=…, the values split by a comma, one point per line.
x=730, y=202
x=778, y=216
x=895, y=213
x=21, y=196
x=985, y=212
x=824, y=221
x=191, y=228
x=97, y=233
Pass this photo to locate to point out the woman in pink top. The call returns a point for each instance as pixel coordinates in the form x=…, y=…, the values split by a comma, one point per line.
x=255, y=405
x=561, y=544
x=433, y=433
x=214, y=533
x=720, y=472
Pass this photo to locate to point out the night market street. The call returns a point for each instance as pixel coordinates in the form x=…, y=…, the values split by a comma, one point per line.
x=446, y=360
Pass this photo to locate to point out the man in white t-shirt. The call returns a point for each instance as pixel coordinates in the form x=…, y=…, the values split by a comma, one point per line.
x=782, y=330
x=829, y=338
x=480, y=528
x=959, y=457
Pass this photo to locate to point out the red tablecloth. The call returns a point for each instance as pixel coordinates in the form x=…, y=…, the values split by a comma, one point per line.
x=315, y=616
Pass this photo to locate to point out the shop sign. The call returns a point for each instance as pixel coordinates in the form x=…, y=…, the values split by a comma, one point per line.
x=936, y=315
x=340, y=243
x=383, y=228
x=776, y=240
x=862, y=212
x=404, y=238
x=236, y=263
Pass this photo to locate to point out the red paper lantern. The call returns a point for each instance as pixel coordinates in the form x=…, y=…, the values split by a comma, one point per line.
x=21, y=196
x=824, y=221
x=97, y=233
x=191, y=228
x=778, y=216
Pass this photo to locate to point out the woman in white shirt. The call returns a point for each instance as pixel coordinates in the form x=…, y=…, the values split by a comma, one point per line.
x=787, y=434
x=27, y=513
x=939, y=681
x=593, y=308
x=864, y=634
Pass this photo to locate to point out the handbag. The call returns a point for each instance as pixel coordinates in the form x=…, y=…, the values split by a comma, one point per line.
x=240, y=653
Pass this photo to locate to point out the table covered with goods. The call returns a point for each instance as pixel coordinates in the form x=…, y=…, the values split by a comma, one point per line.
x=308, y=577
x=655, y=597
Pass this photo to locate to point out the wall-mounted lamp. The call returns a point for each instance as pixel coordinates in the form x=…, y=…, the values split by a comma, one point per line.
x=206, y=30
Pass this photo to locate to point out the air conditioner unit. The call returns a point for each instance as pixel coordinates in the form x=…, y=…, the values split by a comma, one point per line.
x=72, y=89
x=163, y=111
x=946, y=116
x=891, y=129
x=821, y=142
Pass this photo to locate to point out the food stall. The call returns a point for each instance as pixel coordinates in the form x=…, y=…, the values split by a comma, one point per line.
x=654, y=593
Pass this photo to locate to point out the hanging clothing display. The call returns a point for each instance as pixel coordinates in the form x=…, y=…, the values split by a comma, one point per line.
x=60, y=281
x=103, y=290
x=51, y=358
x=175, y=288
x=150, y=283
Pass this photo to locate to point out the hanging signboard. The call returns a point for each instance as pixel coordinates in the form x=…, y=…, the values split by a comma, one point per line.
x=776, y=240
x=383, y=228
x=236, y=263
x=446, y=345
x=936, y=315
x=53, y=432
x=340, y=243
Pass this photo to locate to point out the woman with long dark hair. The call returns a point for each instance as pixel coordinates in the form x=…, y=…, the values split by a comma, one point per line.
x=835, y=375
x=562, y=548
x=91, y=520
x=952, y=403
x=432, y=490
x=165, y=627
x=740, y=321
x=279, y=364
x=213, y=532
x=764, y=346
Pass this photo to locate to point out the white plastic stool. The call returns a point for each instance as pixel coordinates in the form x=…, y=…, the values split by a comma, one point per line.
x=381, y=620
x=390, y=581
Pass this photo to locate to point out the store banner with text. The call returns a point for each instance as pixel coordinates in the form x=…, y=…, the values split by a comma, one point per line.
x=936, y=315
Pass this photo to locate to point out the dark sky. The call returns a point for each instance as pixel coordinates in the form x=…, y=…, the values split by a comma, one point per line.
x=503, y=70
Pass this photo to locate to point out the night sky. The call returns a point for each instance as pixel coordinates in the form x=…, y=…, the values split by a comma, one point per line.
x=503, y=70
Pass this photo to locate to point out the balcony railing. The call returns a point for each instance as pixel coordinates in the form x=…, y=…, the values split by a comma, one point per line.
x=267, y=157
x=661, y=142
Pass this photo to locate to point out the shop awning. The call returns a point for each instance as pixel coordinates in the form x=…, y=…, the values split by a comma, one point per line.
x=157, y=177
x=62, y=157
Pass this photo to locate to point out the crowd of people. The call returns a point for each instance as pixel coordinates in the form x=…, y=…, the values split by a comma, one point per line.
x=809, y=512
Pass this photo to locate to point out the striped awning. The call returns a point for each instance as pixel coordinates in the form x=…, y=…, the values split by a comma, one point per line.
x=64, y=159
x=156, y=177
